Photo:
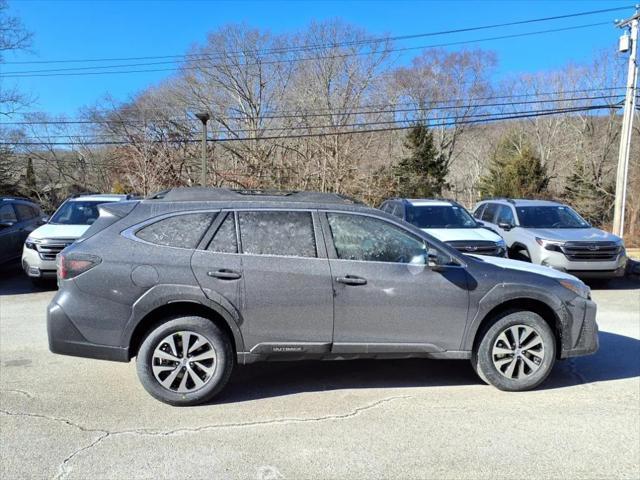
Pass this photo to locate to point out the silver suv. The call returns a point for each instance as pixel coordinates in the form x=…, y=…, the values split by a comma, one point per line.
x=193, y=281
x=554, y=235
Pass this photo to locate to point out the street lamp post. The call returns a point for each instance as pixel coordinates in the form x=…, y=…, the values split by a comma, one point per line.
x=204, y=118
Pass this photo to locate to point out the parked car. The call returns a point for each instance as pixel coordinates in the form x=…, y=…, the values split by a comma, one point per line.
x=18, y=218
x=552, y=234
x=65, y=226
x=192, y=281
x=449, y=222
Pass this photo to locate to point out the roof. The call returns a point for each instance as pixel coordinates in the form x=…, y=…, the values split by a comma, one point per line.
x=524, y=202
x=209, y=194
x=100, y=197
x=419, y=202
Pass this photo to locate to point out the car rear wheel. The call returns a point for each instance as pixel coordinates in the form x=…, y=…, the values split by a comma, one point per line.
x=515, y=353
x=185, y=361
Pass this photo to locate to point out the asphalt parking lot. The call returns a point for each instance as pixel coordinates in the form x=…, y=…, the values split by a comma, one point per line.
x=64, y=417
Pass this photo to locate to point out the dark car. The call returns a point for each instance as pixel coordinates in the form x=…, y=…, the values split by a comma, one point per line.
x=193, y=281
x=18, y=218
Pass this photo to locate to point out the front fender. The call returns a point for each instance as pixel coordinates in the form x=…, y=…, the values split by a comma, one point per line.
x=507, y=292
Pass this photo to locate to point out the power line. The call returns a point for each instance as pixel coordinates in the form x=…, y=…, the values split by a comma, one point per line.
x=516, y=115
x=381, y=122
x=385, y=108
x=330, y=45
x=75, y=72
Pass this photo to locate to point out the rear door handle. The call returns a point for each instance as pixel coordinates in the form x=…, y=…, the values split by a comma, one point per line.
x=351, y=280
x=225, y=274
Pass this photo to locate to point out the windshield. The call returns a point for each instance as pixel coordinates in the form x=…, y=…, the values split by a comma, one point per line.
x=76, y=213
x=550, y=217
x=440, y=216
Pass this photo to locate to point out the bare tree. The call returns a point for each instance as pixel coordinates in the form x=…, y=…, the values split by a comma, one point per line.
x=446, y=89
x=13, y=37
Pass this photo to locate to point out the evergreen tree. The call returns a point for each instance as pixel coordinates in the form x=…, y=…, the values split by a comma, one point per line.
x=593, y=200
x=30, y=178
x=514, y=172
x=423, y=172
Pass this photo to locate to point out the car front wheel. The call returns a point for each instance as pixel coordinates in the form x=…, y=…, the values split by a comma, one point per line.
x=185, y=361
x=515, y=353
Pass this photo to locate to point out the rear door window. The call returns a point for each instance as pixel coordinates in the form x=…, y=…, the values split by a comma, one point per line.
x=489, y=212
x=25, y=212
x=224, y=240
x=505, y=215
x=398, y=211
x=183, y=231
x=7, y=214
x=277, y=233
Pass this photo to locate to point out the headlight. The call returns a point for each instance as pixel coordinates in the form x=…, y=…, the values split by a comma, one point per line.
x=577, y=287
x=553, y=245
x=30, y=243
x=502, y=248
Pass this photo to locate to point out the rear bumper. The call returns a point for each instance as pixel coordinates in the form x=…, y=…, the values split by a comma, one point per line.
x=582, y=340
x=66, y=339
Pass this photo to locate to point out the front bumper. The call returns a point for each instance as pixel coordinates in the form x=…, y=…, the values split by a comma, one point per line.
x=582, y=336
x=36, y=267
x=585, y=269
x=66, y=339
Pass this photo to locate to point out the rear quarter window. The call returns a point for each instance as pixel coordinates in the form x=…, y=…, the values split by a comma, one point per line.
x=184, y=231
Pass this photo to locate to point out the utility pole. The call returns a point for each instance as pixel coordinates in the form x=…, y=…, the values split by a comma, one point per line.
x=204, y=118
x=628, y=42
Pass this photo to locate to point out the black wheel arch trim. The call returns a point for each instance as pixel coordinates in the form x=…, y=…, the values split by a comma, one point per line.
x=162, y=295
x=567, y=325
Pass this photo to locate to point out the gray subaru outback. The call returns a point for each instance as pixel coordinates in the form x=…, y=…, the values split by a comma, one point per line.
x=193, y=281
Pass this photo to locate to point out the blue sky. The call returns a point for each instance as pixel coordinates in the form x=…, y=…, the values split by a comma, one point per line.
x=117, y=28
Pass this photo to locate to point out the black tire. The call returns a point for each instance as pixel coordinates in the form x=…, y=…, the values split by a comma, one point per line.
x=482, y=357
x=220, y=344
x=40, y=282
x=521, y=254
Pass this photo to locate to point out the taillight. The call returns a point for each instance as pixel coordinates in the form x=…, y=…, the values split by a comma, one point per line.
x=72, y=265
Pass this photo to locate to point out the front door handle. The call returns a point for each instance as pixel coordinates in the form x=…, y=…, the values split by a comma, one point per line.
x=351, y=280
x=225, y=274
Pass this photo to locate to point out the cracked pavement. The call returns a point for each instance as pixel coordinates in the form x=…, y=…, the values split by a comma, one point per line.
x=73, y=418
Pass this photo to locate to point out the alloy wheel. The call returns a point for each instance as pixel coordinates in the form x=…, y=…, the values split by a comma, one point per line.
x=518, y=352
x=184, y=361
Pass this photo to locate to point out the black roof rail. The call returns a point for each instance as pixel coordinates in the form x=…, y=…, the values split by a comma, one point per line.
x=510, y=200
x=441, y=199
x=82, y=194
x=185, y=194
x=13, y=197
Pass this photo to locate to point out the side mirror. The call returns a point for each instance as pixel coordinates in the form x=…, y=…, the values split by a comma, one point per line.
x=6, y=224
x=433, y=260
x=45, y=218
x=505, y=226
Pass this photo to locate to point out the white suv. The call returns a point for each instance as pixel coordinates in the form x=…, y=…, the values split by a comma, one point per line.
x=554, y=235
x=66, y=225
x=449, y=222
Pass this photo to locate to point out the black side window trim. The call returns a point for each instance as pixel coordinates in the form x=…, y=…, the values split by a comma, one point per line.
x=209, y=235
